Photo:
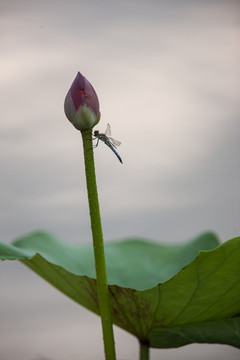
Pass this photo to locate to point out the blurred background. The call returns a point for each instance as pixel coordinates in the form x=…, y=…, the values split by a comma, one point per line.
x=167, y=77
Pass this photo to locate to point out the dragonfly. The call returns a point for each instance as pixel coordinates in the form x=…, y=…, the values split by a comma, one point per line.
x=108, y=140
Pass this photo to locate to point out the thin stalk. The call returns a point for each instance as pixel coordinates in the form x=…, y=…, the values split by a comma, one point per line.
x=97, y=236
x=144, y=351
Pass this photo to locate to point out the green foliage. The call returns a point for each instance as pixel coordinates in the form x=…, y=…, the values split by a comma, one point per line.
x=167, y=295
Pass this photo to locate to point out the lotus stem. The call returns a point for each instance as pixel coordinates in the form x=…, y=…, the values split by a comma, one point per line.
x=98, y=245
x=144, y=351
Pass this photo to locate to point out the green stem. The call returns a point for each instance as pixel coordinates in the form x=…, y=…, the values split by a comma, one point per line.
x=144, y=351
x=97, y=235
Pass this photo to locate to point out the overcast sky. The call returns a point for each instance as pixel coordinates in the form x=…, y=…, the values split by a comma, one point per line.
x=166, y=74
x=167, y=77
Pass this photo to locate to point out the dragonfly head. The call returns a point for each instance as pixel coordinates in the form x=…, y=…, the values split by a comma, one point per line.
x=96, y=133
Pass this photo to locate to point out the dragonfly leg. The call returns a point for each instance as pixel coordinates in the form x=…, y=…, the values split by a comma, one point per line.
x=96, y=142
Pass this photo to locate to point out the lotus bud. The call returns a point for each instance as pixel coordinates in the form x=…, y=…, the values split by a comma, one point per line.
x=81, y=104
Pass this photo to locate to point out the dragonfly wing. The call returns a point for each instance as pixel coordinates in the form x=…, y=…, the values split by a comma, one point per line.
x=114, y=141
x=108, y=130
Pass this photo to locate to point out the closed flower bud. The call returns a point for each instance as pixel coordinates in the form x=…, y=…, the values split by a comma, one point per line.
x=81, y=104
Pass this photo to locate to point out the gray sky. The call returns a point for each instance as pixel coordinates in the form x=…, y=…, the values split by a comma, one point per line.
x=167, y=77
x=167, y=80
